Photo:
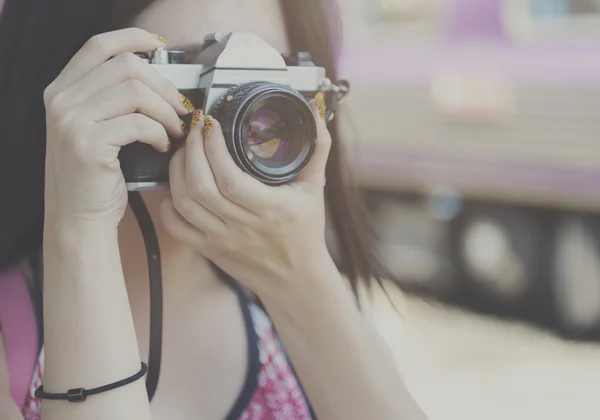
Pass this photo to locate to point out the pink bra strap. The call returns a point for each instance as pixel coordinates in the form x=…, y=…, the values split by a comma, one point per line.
x=19, y=332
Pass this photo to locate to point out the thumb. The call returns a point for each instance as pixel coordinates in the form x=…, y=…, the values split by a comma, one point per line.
x=315, y=172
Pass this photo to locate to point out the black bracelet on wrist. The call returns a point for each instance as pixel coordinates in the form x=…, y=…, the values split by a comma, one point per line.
x=80, y=394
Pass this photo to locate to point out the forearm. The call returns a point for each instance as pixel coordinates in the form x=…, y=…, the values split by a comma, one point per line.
x=344, y=371
x=89, y=334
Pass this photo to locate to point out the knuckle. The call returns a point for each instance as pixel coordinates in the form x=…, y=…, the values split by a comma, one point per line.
x=211, y=242
x=201, y=192
x=49, y=94
x=214, y=232
x=67, y=126
x=130, y=64
x=140, y=124
x=229, y=187
x=53, y=101
x=292, y=217
x=146, y=128
x=184, y=205
x=135, y=87
x=97, y=44
x=55, y=104
x=230, y=243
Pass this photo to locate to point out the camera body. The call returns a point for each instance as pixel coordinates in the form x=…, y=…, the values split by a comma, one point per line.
x=259, y=97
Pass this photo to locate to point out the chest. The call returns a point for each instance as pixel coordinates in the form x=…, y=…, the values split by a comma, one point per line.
x=204, y=355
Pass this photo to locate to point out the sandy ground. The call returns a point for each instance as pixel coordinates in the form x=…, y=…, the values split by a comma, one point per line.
x=461, y=366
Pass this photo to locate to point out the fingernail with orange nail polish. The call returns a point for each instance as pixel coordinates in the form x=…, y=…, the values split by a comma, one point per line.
x=168, y=146
x=196, y=118
x=321, y=105
x=187, y=103
x=182, y=125
x=208, y=125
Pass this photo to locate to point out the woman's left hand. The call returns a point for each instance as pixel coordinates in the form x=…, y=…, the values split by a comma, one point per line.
x=261, y=235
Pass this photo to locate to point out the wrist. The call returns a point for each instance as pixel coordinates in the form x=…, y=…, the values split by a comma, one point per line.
x=314, y=285
x=81, y=255
x=75, y=233
x=79, y=246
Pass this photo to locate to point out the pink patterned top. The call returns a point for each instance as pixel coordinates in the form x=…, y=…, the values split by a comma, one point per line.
x=275, y=391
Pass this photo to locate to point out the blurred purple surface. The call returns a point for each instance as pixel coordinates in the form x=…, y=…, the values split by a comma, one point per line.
x=470, y=19
x=474, y=41
x=557, y=64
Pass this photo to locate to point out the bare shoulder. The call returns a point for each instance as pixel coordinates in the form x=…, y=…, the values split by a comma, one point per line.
x=8, y=409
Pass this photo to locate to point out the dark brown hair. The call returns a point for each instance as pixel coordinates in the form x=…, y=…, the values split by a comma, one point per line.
x=37, y=39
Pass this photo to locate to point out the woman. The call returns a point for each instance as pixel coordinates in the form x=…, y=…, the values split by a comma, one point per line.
x=97, y=97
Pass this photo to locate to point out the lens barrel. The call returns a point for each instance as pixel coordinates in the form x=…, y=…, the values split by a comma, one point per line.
x=269, y=129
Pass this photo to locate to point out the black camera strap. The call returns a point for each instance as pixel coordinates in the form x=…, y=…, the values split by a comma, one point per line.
x=137, y=205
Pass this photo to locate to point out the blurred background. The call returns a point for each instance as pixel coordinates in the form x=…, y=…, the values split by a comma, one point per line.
x=473, y=127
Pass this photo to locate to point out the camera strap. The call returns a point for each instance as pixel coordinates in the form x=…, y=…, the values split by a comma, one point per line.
x=137, y=205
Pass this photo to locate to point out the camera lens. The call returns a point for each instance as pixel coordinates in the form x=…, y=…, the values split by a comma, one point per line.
x=275, y=137
x=269, y=129
x=268, y=135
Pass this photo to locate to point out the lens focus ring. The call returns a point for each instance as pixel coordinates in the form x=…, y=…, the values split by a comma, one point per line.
x=269, y=130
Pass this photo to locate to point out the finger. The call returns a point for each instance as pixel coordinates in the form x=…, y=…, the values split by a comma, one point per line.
x=180, y=228
x=124, y=67
x=315, y=171
x=195, y=214
x=130, y=128
x=201, y=183
x=101, y=47
x=233, y=183
x=130, y=97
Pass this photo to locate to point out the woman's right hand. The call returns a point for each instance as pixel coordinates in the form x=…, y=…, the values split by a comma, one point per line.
x=105, y=98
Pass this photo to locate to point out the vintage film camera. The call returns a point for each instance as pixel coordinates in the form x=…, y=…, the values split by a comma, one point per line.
x=260, y=98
